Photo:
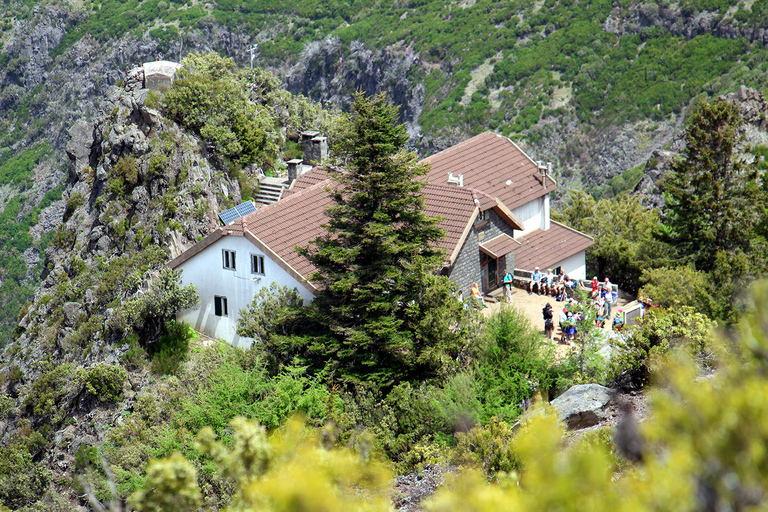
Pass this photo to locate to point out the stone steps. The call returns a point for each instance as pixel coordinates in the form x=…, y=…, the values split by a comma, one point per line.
x=268, y=193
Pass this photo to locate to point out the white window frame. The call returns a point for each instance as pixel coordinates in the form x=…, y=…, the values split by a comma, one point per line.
x=228, y=259
x=257, y=264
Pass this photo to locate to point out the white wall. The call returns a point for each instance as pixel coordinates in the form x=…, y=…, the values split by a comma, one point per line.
x=575, y=266
x=205, y=270
x=532, y=214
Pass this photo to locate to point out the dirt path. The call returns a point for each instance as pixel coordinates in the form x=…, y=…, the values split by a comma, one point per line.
x=532, y=305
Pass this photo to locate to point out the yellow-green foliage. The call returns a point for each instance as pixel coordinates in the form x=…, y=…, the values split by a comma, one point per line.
x=490, y=446
x=662, y=330
x=705, y=446
x=289, y=471
x=171, y=486
x=105, y=381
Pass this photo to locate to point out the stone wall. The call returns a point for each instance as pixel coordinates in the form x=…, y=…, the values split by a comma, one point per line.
x=466, y=268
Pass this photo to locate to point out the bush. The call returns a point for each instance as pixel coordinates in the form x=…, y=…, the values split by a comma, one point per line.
x=74, y=202
x=661, y=330
x=489, y=446
x=170, y=351
x=49, y=390
x=510, y=362
x=276, y=310
x=105, y=382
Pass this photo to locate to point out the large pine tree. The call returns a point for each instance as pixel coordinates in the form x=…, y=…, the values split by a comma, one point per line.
x=385, y=308
x=713, y=201
x=714, y=204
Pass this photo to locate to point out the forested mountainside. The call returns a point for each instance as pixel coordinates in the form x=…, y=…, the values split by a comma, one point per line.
x=595, y=87
x=106, y=402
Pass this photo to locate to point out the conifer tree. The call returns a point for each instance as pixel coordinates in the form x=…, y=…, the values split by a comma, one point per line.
x=376, y=259
x=713, y=201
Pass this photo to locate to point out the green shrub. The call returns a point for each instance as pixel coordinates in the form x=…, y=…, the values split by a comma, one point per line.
x=660, y=331
x=22, y=481
x=49, y=390
x=126, y=170
x=74, y=202
x=170, y=351
x=511, y=362
x=105, y=382
x=489, y=446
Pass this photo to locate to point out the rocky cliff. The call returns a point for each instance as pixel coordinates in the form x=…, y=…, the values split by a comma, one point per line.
x=754, y=110
x=138, y=191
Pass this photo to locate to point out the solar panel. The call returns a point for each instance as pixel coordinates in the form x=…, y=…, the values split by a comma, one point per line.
x=241, y=210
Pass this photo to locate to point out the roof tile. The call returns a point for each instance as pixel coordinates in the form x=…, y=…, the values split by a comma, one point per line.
x=494, y=165
x=545, y=248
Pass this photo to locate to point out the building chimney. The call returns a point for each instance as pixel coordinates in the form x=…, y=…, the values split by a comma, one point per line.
x=314, y=147
x=293, y=169
x=459, y=180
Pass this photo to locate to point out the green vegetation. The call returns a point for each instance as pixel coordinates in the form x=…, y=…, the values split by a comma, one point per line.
x=378, y=295
x=237, y=112
x=704, y=430
x=105, y=382
x=715, y=207
x=624, y=233
x=534, y=50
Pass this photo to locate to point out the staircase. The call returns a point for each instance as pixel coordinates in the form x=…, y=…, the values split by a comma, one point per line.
x=270, y=191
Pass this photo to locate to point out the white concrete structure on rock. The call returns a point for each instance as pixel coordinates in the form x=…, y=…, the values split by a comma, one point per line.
x=159, y=74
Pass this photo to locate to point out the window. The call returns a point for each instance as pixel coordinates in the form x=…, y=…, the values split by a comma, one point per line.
x=228, y=259
x=220, y=305
x=484, y=215
x=257, y=264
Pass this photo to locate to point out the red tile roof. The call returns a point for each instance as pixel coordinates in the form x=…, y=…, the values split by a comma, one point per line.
x=488, y=162
x=291, y=222
x=306, y=180
x=500, y=246
x=545, y=248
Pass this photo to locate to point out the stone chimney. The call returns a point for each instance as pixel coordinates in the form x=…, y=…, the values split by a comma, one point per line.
x=314, y=147
x=294, y=168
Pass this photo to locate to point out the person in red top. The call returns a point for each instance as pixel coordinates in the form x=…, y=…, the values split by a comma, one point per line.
x=595, y=286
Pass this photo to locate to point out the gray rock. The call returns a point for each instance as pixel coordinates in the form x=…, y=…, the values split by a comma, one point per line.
x=80, y=142
x=583, y=405
x=72, y=312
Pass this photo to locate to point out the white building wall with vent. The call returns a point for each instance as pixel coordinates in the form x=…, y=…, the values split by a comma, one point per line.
x=239, y=286
x=533, y=216
x=575, y=266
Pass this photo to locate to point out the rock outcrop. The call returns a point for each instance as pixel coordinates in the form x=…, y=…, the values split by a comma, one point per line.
x=583, y=405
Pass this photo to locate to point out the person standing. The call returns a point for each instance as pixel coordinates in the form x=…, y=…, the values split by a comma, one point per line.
x=609, y=300
x=508, y=281
x=549, y=326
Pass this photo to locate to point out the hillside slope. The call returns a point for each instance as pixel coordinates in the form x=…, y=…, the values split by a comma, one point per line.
x=595, y=88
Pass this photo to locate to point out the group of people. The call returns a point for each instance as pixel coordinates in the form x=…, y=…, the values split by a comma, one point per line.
x=559, y=286
x=602, y=299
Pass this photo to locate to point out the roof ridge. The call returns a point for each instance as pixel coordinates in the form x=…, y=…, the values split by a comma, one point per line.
x=572, y=229
x=460, y=144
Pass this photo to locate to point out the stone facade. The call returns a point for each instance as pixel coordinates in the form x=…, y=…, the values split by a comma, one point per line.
x=466, y=269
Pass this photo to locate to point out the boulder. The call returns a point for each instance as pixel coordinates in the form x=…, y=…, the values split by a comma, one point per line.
x=72, y=313
x=80, y=143
x=584, y=405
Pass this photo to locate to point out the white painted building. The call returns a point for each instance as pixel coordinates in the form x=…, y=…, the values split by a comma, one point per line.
x=228, y=274
x=493, y=199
